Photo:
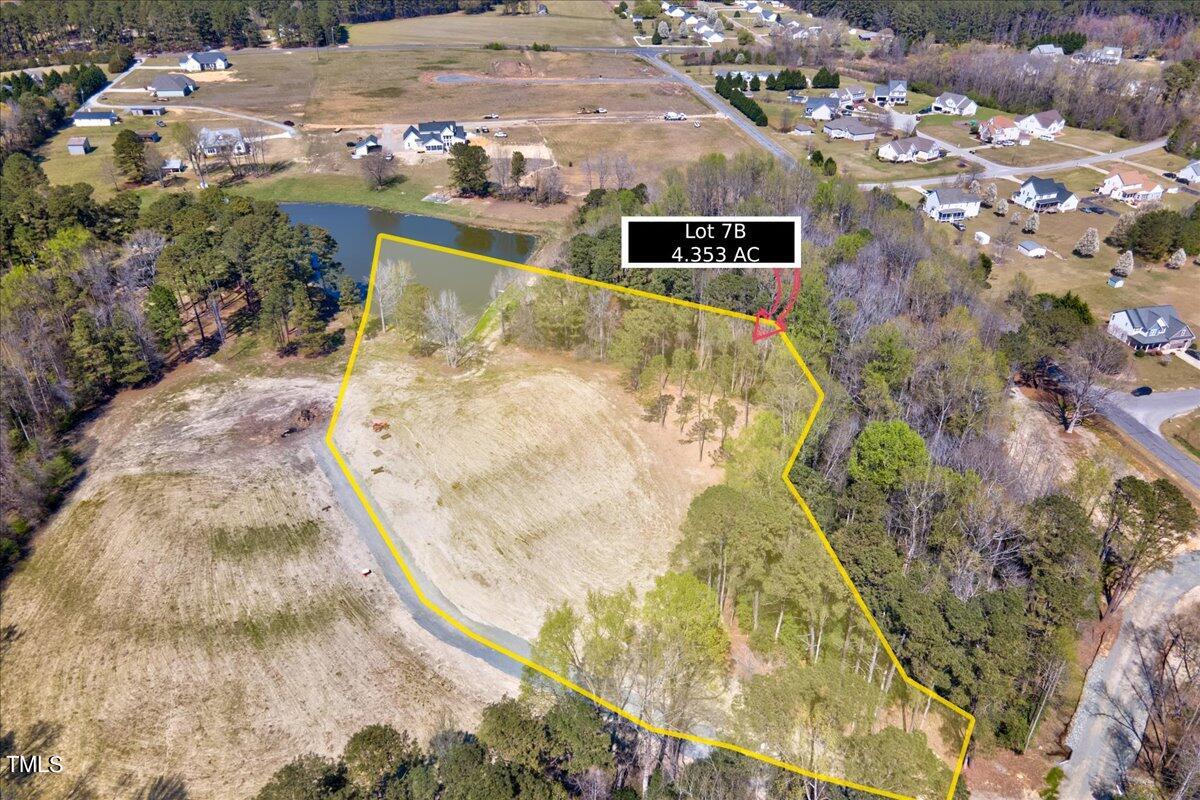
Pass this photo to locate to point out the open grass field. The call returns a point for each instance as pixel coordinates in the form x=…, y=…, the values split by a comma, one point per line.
x=197, y=604
x=1164, y=374
x=954, y=130
x=1094, y=140
x=1036, y=152
x=570, y=22
x=1160, y=160
x=651, y=147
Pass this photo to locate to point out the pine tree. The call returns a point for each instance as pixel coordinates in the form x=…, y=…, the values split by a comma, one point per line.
x=90, y=365
x=1177, y=259
x=130, y=366
x=1088, y=244
x=310, y=330
x=1124, y=264
x=162, y=315
x=349, y=297
x=517, y=170
x=129, y=154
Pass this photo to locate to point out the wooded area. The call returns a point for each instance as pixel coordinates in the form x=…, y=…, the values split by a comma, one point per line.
x=97, y=297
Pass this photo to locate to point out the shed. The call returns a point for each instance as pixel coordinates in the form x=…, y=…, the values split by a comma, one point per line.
x=172, y=165
x=78, y=145
x=982, y=237
x=1116, y=281
x=1031, y=249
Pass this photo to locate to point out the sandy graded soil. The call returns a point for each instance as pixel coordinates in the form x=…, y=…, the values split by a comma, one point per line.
x=196, y=610
x=520, y=485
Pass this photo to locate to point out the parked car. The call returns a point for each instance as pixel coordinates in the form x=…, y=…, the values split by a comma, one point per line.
x=159, y=123
x=491, y=116
x=501, y=135
x=601, y=110
x=1142, y=391
x=289, y=123
x=695, y=124
x=337, y=130
x=1170, y=175
x=958, y=226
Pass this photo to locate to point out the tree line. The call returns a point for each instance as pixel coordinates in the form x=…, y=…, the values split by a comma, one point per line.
x=36, y=108
x=33, y=29
x=97, y=297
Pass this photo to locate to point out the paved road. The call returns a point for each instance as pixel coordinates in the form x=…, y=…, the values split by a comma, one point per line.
x=1139, y=418
x=1102, y=749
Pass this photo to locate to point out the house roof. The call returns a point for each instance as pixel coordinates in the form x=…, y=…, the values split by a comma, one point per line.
x=1160, y=323
x=1193, y=168
x=1047, y=50
x=436, y=128
x=913, y=144
x=1047, y=187
x=93, y=115
x=1000, y=121
x=891, y=86
x=951, y=195
x=953, y=99
x=77, y=141
x=850, y=125
x=817, y=102
x=1030, y=244
x=173, y=163
x=219, y=136
x=1131, y=177
x=1045, y=118
x=209, y=57
x=172, y=82
x=367, y=140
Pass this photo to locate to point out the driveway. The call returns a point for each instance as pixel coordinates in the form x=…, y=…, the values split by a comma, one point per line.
x=1103, y=749
x=1139, y=418
x=1155, y=409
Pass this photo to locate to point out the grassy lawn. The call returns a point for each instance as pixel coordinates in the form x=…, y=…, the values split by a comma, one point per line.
x=1184, y=432
x=1036, y=152
x=954, y=130
x=1160, y=160
x=1094, y=140
x=570, y=22
x=1164, y=374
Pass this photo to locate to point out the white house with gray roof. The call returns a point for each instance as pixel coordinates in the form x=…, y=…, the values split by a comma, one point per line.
x=951, y=204
x=849, y=128
x=849, y=96
x=203, y=62
x=219, y=141
x=1190, y=173
x=1105, y=55
x=1151, y=328
x=433, y=137
x=913, y=149
x=951, y=103
x=171, y=85
x=1044, y=124
x=821, y=109
x=892, y=93
x=1045, y=195
x=1046, y=50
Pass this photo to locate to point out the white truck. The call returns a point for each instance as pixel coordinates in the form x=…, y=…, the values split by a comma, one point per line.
x=674, y=116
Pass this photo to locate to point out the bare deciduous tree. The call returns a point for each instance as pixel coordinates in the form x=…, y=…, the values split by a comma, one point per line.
x=377, y=171
x=446, y=325
x=391, y=279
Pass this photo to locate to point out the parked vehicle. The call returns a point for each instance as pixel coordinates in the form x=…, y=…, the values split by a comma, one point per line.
x=337, y=130
x=958, y=226
x=501, y=135
x=289, y=123
x=159, y=123
x=1170, y=175
x=1142, y=391
x=491, y=116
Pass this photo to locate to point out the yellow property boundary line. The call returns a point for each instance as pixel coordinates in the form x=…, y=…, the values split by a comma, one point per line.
x=567, y=682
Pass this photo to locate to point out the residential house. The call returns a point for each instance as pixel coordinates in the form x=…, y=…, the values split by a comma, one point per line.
x=94, y=119
x=770, y=17
x=914, y=148
x=849, y=96
x=811, y=32
x=202, y=62
x=951, y=204
x=849, y=128
x=366, y=146
x=821, y=109
x=712, y=37
x=998, y=130
x=433, y=137
x=745, y=74
x=1151, y=328
x=892, y=93
x=1046, y=50
x=146, y=111
x=173, y=165
x=867, y=36
x=78, y=145
x=1190, y=173
x=1104, y=55
x=691, y=20
x=1131, y=186
x=172, y=85
x=149, y=136
x=802, y=130
x=1031, y=249
x=1044, y=124
x=675, y=11
x=951, y=103
x=221, y=141
x=1045, y=195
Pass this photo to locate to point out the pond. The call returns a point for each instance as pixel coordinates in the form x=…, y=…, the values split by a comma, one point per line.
x=355, y=228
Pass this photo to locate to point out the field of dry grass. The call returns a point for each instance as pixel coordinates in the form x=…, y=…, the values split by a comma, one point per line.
x=1184, y=432
x=499, y=481
x=196, y=607
x=570, y=22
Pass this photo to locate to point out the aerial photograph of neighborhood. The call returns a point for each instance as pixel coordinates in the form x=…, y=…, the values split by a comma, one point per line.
x=599, y=399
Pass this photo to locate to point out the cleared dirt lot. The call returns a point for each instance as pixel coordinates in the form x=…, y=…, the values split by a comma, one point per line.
x=576, y=22
x=520, y=485
x=197, y=606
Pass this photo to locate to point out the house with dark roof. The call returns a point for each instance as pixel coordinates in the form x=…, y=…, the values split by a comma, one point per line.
x=821, y=109
x=1151, y=328
x=951, y=204
x=892, y=93
x=202, y=62
x=849, y=96
x=433, y=137
x=365, y=146
x=172, y=85
x=1045, y=195
x=223, y=140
